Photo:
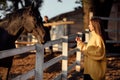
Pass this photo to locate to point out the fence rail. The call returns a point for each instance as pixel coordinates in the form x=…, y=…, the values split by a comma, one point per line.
x=12, y=52
x=40, y=66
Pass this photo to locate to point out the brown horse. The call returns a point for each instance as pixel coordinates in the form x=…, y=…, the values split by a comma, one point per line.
x=27, y=19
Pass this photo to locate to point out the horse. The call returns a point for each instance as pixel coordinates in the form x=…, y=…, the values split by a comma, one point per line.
x=27, y=19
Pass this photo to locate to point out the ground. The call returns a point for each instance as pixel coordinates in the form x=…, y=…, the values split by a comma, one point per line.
x=26, y=62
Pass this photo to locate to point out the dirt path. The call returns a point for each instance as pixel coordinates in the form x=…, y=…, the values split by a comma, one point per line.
x=26, y=62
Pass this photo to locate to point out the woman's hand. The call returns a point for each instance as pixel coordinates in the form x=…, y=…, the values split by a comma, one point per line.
x=78, y=39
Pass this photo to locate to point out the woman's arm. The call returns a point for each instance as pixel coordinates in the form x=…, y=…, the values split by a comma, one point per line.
x=97, y=50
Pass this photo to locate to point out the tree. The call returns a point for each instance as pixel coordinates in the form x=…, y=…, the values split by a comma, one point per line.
x=17, y=2
x=99, y=8
x=2, y=4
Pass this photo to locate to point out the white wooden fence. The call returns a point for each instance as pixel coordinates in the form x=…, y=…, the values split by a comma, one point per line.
x=40, y=65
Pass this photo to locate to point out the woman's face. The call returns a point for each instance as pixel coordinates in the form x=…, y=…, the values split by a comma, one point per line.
x=91, y=26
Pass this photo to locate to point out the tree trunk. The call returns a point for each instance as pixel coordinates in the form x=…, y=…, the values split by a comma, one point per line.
x=86, y=9
x=100, y=8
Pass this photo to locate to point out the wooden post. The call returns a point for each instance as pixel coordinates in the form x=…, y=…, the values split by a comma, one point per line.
x=87, y=30
x=87, y=35
x=65, y=58
x=28, y=38
x=39, y=62
x=58, y=23
x=78, y=55
x=65, y=27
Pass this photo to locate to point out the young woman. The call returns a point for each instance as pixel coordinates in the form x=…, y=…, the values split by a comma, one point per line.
x=94, y=53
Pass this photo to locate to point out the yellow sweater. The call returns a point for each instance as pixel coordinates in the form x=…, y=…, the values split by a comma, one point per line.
x=94, y=57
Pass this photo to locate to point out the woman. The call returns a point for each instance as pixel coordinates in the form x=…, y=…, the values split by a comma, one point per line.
x=94, y=53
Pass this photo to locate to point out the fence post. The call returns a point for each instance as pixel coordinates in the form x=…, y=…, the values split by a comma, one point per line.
x=29, y=37
x=78, y=55
x=65, y=27
x=39, y=62
x=65, y=58
x=87, y=35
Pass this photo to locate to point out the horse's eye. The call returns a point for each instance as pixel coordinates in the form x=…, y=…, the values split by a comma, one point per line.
x=31, y=31
x=34, y=19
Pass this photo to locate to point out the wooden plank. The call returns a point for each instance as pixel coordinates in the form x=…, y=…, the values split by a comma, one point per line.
x=71, y=52
x=78, y=59
x=71, y=38
x=52, y=61
x=112, y=41
x=112, y=54
x=108, y=18
x=16, y=51
x=58, y=23
x=25, y=76
x=72, y=45
x=25, y=42
x=65, y=58
x=39, y=62
x=87, y=35
x=49, y=43
x=58, y=77
x=71, y=66
x=78, y=55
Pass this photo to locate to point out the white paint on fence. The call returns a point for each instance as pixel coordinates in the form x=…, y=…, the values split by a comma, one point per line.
x=40, y=65
x=78, y=56
x=39, y=62
x=65, y=58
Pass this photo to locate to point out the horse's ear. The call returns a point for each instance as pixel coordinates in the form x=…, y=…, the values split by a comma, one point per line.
x=37, y=4
x=34, y=5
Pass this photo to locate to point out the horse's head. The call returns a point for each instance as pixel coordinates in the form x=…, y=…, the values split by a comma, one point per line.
x=28, y=19
x=32, y=22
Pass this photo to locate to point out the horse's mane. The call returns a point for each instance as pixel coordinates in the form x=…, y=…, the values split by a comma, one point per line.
x=16, y=14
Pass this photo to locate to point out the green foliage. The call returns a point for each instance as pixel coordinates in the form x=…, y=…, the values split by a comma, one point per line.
x=3, y=2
